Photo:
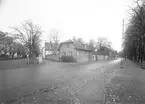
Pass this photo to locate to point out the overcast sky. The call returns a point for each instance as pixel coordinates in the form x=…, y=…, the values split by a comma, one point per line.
x=87, y=19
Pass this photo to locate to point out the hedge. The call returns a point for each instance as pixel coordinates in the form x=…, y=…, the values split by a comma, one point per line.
x=67, y=59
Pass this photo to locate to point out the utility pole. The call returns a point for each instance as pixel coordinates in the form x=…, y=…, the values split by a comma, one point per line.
x=45, y=48
x=123, y=36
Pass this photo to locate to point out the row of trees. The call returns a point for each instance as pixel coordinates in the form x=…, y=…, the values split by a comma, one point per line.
x=134, y=38
x=25, y=39
x=9, y=46
x=96, y=44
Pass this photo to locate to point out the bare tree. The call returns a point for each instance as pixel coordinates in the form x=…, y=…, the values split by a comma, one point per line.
x=74, y=38
x=29, y=35
x=92, y=44
x=103, y=42
x=54, y=40
x=134, y=38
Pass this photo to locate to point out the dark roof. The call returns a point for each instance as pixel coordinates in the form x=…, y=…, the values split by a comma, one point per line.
x=78, y=45
x=81, y=46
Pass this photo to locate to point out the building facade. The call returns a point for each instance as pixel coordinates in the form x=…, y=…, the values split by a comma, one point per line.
x=79, y=51
x=104, y=53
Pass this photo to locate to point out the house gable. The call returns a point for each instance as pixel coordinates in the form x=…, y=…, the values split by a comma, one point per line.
x=67, y=45
x=67, y=49
x=80, y=52
x=78, y=45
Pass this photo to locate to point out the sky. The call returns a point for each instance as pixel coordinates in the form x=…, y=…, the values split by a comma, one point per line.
x=87, y=19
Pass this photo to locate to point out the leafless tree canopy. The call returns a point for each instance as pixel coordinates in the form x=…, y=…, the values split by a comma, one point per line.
x=54, y=40
x=134, y=38
x=29, y=35
x=103, y=42
x=92, y=44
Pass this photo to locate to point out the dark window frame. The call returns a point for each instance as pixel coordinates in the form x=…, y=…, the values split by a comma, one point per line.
x=64, y=53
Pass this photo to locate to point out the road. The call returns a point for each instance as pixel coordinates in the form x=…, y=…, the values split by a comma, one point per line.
x=87, y=83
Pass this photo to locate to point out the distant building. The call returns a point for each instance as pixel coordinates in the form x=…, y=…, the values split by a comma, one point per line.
x=104, y=53
x=80, y=52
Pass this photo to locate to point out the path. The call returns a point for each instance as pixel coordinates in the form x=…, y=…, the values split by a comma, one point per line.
x=87, y=83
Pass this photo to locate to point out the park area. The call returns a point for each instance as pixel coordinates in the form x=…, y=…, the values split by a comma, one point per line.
x=101, y=82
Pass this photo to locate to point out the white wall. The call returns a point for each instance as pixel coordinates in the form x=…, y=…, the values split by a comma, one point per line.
x=64, y=48
x=102, y=57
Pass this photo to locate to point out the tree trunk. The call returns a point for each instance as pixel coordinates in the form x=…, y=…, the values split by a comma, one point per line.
x=33, y=59
x=139, y=58
x=13, y=55
x=143, y=53
x=135, y=57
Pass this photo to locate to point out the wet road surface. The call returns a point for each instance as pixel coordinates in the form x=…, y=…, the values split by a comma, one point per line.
x=91, y=83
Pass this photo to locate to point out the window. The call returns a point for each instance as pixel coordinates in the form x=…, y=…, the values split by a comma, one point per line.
x=68, y=45
x=64, y=53
x=70, y=53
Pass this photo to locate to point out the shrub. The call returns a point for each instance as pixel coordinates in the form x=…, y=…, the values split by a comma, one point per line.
x=4, y=57
x=24, y=56
x=67, y=59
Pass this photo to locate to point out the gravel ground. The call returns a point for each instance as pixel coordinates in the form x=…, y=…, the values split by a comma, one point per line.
x=109, y=86
x=67, y=91
x=117, y=93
